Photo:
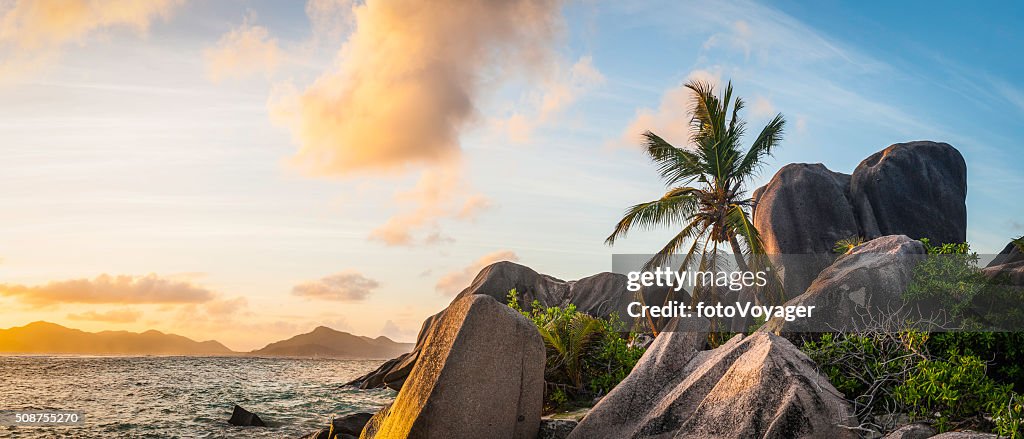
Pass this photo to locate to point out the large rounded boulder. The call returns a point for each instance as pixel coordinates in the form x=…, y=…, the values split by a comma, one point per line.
x=801, y=213
x=497, y=279
x=918, y=189
x=868, y=281
x=480, y=374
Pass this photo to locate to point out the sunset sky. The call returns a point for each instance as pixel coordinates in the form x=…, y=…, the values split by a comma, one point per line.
x=247, y=170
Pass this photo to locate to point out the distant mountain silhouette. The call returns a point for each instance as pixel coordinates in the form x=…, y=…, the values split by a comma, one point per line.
x=326, y=342
x=51, y=338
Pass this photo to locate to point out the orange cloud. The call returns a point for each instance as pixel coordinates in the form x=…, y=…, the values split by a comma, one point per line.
x=671, y=119
x=407, y=83
x=452, y=283
x=112, y=316
x=109, y=289
x=347, y=286
x=245, y=51
x=32, y=32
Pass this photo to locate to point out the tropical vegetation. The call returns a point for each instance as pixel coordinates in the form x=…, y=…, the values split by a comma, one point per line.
x=956, y=377
x=586, y=356
x=706, y=178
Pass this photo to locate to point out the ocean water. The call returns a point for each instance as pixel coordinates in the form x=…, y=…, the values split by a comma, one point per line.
x=186, y=397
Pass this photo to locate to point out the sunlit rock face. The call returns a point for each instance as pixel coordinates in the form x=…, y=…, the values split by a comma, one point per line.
x=801, y=213
x=755, y=386
x=480, y=374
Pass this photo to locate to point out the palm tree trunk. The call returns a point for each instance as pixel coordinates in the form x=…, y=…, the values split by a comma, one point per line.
x=737, y=252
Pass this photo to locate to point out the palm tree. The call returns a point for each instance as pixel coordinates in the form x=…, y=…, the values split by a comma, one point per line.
x=705, y=182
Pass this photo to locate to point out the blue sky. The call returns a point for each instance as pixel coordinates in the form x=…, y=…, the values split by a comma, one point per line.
x=124, y=154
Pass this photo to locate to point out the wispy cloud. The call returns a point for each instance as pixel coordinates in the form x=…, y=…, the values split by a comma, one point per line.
x=559, y=90
x=670, y=119
x=109, y=289
x=112, y=316
x=244, y=51
x=33, y=32
x=346, y=286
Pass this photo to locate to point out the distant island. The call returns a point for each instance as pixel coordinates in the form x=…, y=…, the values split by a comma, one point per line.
x=326, y=342
x=323, y=342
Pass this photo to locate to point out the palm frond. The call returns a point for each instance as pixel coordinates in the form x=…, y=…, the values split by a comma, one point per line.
x=672, y=208
x=675, y=165
x=770, y=137
x=691, y=231
x=740, y=224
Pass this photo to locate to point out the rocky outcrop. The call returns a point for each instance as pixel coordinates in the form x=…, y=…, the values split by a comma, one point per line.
x=244, y=418
x=869, y=279
x=758, y=386
x=597, y=295
x=497, y=279
x=1008, y=264
x=480, y=374
x=345, y=427
x=912, y=431
x=801, y=213
x=392, y=373
x=916, y=189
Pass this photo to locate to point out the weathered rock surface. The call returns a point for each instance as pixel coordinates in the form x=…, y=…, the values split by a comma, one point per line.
x=1009, y=264
x=497, y=279
x=555, y=428
x=916, y=189
x=480, y=374
x=801, y=213
x=1010, y=254
x=869, y=279
x=597, y=295
x=912, y=431
x=965, y=435
x=758, y=386
x=347, y=426
x=244, y=418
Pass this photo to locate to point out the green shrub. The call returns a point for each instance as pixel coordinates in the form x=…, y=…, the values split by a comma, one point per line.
x=867, y=366
x=586, y=355
x=1019, y=243
x=949, y=277
x=1002, y=351
x=956, y=392
x=951, y=280
x=843, y=246
x=956, y=379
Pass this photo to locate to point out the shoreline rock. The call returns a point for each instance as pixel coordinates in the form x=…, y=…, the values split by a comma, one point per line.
x=480, y=374
x=241, y=417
